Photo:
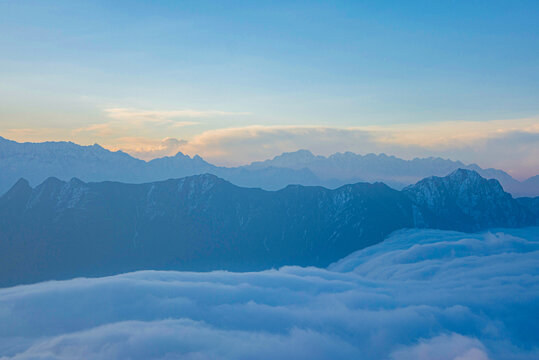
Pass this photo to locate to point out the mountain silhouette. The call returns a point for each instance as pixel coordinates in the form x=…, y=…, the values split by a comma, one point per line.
x=65, y=229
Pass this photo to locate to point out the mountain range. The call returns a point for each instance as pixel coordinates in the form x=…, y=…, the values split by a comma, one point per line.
x=64, y=229
x=65, y=160
x=349, y=167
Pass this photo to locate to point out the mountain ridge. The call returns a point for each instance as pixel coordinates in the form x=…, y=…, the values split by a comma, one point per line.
x=37, y=161
x=62, y=229
x=372, y=167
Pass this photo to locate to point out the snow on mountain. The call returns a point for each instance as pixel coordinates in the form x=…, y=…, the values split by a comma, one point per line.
x=466, y=201
x=348, y=167
x=65, y=160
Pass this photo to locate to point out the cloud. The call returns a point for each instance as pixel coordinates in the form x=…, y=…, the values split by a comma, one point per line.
x=444, y=347
x=420, y=294
x=160, y=115
x=126, y=121
x=511, y=145
x=229, y=145
x=453, y=134
x=147, y=149
x=35, y=134
x=471, y=142
x=123, y=130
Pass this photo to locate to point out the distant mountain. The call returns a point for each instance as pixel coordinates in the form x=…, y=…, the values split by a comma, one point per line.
x=38, y=161
x=369, y=167
x=398, y=173
x=529, y=187
x=65, y=229
x=65, y=160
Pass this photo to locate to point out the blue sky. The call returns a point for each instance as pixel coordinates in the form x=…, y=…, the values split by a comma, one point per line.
x=130, y=74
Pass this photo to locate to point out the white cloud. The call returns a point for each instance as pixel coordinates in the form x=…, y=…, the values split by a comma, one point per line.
x=443, y=347
x=147, y=149
x=486, y=143
x=125, y=125
x=245, y=144
x=160, y=115
x=421, y=294
x=511, y=145
x=129, y=121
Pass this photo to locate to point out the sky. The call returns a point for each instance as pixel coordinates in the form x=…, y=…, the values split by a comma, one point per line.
x=238, y=81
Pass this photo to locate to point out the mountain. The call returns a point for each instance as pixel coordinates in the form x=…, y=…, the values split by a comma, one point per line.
x=530, y=203
x=195, y=223
x=369, y=167
x=465, y=201
x=341, y=168
x=65, y=160
x=37, y=161
x=528, y=187
x=65, y=229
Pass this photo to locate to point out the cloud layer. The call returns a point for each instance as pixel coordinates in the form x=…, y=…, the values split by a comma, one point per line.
x=511, y=145
x=421, y=294
x=485, y=143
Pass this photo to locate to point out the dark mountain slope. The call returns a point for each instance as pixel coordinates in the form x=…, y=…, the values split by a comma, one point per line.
x=465, y=201
x=66, y=229
x=530, y=203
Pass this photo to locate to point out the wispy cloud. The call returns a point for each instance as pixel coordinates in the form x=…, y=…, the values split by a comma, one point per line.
x=147, y=149
x=451, y=133
x=122, y=121
x=160, y=115
x=128, y=123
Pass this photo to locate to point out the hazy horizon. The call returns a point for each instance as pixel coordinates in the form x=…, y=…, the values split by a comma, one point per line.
x=531, y=172
x=236, y=82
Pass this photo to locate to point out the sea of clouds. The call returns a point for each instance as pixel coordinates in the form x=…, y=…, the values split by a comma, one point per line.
x=421, y=294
